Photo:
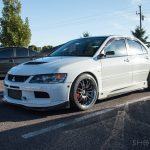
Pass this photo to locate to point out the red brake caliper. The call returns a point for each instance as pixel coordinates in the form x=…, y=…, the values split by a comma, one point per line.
x=77, y=95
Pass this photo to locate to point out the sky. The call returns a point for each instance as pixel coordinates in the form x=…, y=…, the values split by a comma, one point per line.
x=54, y=22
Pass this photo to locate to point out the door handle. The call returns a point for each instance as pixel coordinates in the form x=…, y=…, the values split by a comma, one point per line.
x=126, y=60
x=146, y=57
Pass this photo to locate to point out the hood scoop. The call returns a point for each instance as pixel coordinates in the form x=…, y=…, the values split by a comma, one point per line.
x=34, y=63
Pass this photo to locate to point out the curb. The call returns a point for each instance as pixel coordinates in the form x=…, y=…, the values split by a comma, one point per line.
x=1, y=94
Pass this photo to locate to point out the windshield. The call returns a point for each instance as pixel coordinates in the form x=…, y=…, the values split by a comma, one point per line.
x=84, y=47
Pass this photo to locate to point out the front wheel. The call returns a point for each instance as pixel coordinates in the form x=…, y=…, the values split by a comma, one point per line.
x=148, y=81
x=84, y=92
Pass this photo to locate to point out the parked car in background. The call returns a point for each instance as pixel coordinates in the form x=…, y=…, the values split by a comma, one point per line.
x=12, y=56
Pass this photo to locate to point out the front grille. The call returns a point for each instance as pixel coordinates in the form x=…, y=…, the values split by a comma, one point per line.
x=17, y=78
x=15, y=94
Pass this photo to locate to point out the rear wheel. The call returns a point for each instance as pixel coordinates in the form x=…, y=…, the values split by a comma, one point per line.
x=84, y=92
x=148, y=81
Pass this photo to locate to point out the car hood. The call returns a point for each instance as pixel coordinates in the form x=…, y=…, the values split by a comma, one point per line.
x=48, y=65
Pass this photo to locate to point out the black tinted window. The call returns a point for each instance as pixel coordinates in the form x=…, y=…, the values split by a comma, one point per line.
x=135, y=47
x=21, y=52
x=6, y=53
x=85, y=47
x=32, y=53
x=118, y=47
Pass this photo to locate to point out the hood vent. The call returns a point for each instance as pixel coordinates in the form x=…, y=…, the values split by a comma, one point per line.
x=34, y=63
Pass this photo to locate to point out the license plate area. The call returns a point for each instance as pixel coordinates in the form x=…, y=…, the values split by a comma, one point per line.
x=15, y=94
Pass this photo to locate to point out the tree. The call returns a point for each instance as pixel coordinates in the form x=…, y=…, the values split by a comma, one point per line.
x=14, y=31
x=148, y=44
x=140, y=34
x=47, y=49
x=33, y=47
x=86, y=34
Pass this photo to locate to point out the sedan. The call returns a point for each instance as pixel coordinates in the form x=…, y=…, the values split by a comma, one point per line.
x=80, y=72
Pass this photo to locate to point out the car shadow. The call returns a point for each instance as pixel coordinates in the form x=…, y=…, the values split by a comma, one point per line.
x=2, y=78
x=16, y=114
x=135, y=126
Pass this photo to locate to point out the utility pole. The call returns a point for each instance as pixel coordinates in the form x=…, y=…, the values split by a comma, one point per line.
x=140, y=15
x=140, y=9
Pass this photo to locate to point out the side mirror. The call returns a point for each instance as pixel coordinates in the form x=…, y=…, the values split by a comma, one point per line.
x=101, y=56
x=110, y=53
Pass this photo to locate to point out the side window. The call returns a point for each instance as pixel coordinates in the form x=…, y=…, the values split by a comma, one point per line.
x=32, y=53
x=117, y=48
x=21, y=52
x=135, y=47
x=6, y=53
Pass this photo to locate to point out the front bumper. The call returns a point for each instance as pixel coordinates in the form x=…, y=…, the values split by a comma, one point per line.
x=58, y=106
x=58, y=94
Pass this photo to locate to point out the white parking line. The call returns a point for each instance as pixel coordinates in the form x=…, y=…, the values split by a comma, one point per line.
x=79, y=119
x=134, y=101
x=64, y=124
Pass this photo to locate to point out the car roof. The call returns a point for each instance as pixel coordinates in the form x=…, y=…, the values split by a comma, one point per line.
x=110, y=36
x=8, y=48
x=2, y=48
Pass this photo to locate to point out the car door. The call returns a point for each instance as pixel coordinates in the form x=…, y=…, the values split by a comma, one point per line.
x=116, y=68
x=140, y=61
x=6, y=60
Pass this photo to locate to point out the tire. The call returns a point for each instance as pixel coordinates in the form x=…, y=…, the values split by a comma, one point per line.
x=148, y=81
x=84, y=92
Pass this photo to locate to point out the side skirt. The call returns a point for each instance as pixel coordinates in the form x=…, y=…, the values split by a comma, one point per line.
x=116, y=92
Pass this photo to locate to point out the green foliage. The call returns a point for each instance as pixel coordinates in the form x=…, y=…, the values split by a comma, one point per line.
x=35, y=48
x=140, y=34
x=47, y=49
x=148, y=45
x=14, y=31
x=86, y=34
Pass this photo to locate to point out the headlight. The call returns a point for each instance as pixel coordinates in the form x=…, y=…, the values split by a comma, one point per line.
x=49, y=78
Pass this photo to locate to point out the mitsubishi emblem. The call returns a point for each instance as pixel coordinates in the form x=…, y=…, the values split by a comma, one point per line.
x=13, y=79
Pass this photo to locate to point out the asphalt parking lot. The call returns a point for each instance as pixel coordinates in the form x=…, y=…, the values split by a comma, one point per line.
x=121, y=122
x=1, y=85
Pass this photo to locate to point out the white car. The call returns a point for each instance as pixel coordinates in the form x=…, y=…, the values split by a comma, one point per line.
x=80, y=72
